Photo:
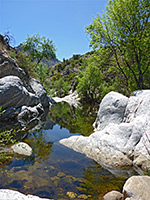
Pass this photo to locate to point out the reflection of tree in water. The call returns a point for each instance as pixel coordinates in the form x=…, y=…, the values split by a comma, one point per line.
x=77, y=120
x=41, y=148
x=98, y=181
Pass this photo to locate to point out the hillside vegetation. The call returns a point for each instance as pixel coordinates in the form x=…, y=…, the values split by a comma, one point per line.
x=121, y=60
x=89, y=74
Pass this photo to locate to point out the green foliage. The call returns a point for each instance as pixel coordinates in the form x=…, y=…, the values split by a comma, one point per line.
x=67, y=72
x=147, y=172
x=12, y=54
x=42, y=74
x=61, y=86
x=76, y=57
x=91, y=84
x=77, y=120
x=56, y=76
x=39, y=47
x=36, y=48
x=42, y=148
x=1, y=110
x=25, y=62
x=5, y=158
x=7, y=137
x=125, y=30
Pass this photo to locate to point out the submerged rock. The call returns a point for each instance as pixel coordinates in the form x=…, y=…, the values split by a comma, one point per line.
x=22, y=149
x=71, y=195
x=122, y=132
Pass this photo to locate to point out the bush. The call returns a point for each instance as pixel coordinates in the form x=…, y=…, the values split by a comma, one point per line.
x=61, y=87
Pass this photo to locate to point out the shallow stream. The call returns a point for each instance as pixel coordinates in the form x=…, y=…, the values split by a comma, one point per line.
x=55, y=171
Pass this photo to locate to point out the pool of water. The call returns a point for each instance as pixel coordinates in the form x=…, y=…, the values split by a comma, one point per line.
x=55, y=171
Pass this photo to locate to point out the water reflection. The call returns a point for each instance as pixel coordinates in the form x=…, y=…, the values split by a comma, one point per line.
x=76, y=120
x=55, y=171
x=98, y=181
x=42, y=148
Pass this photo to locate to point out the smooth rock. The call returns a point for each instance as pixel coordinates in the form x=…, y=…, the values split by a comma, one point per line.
x=22, y=148
x=122, y=136
x=113, y=195
x=14, y=94
x=8, y=66
x=111, y=110
x=137, y=188
x=6, y=194
x=40, y=92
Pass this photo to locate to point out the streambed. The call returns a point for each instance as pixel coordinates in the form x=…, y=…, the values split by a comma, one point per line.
x=55, y=171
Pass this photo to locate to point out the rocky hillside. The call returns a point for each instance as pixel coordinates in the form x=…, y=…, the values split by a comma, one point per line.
x=63, y=76
x=22, y=98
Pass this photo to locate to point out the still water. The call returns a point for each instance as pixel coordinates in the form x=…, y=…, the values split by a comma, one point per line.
x=55, y=171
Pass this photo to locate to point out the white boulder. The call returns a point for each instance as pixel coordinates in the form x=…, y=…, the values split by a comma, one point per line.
x=22, y=148
x=122, y=132
x=6, y=194
x=137, y=188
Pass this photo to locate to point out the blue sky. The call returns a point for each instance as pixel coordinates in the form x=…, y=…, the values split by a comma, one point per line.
x=63, y=21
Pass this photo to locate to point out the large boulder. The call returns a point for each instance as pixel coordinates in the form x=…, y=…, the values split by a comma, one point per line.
x=17, y=90
x=137, y=188
x=111, y=110
x=122, y=132
x=8, y=66
x=14, y=94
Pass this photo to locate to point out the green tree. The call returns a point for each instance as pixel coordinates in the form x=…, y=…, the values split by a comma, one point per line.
x=124, y=29
x=24, y=61
x=61, y=87
x=39, y=47
x=91, y=86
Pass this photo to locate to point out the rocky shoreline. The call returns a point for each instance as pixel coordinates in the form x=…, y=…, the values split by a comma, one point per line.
x=23, y=100
x=122, y=133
